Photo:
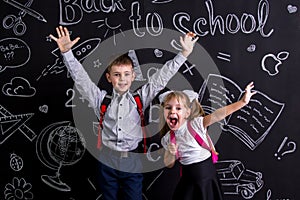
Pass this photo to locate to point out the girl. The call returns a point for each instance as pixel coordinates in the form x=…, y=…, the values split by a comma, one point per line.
x=181, y=111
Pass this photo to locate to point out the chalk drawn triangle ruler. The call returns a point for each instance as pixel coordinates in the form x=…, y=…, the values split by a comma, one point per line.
x=9, y=124
x=23, y=128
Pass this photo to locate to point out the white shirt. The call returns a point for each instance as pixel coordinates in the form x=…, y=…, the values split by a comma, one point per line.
x=121, y=125
x=188, y=148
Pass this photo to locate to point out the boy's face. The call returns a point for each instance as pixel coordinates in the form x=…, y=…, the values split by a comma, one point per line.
x=175, y=113
x=121, y=77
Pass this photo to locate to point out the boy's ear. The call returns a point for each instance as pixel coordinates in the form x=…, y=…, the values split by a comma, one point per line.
x=108, y=77
x=133, y=75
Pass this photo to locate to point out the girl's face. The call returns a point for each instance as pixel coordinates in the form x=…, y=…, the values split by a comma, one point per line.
x=175, y=113
x=121, y=77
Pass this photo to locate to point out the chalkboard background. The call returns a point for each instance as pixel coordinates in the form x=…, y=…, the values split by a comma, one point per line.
x=240, y=41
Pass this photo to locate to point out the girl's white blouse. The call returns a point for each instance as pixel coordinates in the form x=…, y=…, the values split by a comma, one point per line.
x=188, y=148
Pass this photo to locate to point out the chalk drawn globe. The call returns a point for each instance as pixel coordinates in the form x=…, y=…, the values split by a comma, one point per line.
x=66, y=145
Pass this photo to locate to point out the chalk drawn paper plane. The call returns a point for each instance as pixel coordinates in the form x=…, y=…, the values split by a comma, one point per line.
x=81, y=51
x=11, y=123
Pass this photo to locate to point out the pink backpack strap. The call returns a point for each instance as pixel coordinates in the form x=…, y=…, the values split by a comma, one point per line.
x=196, y=136
x=173, y=141
x=210, y=148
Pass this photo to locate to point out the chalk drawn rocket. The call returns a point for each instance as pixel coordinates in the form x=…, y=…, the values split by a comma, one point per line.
x=81, y=51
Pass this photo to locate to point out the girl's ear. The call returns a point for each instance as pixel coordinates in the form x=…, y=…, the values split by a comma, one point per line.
x=188, y=113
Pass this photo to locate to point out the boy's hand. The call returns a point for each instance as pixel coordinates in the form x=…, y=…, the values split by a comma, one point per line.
x=248, y=94
x=63, y=41
x=188, y=42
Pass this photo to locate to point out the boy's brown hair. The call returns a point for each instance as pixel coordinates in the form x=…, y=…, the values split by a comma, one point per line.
x=121, y=60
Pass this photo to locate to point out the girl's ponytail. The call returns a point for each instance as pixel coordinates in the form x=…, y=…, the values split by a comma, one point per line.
x=196, y=109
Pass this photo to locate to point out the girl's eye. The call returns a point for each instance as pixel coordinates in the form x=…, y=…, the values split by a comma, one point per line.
x=168, y=107
x=178, y=108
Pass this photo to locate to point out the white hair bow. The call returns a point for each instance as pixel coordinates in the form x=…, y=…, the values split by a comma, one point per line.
x=190, y=93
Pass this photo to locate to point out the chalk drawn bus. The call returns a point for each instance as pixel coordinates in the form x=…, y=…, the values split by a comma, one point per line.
x=236, y=179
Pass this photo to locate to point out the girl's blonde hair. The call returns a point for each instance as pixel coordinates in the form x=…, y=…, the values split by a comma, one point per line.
x=194, y=106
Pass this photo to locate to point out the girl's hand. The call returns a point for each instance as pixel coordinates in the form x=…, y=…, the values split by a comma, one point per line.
x=248, y=94
x=63, y=41
x=188, y=42
x=173, y=148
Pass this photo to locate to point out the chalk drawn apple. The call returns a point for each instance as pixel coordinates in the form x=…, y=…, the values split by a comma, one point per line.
x=272, y=68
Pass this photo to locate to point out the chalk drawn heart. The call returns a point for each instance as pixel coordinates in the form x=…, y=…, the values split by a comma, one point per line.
x=292, y=9
x=43, y=108
x=158, y=53
x=251, y=48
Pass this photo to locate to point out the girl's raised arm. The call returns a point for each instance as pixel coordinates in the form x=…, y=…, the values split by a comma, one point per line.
x=223, y=112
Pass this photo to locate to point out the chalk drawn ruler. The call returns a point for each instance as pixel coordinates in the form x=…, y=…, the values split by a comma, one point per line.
x=10, y=123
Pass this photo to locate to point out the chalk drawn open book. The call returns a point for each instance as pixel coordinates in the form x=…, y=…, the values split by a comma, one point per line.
x=252, y=123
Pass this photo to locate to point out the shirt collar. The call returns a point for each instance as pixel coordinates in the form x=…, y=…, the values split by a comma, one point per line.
x=115, y=94
x=181, y=130
x=127, y=95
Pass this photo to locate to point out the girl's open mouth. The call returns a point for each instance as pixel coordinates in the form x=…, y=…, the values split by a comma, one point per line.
x=173, y=121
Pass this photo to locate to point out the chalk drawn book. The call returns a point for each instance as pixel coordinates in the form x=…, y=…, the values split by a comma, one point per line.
x=252, y=123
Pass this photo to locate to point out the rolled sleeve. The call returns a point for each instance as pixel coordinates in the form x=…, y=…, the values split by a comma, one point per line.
x=161, y=77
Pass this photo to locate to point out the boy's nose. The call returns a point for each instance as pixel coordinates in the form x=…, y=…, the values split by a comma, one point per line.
x=122, y=77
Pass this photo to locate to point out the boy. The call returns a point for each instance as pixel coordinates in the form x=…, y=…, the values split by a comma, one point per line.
x=121, y=131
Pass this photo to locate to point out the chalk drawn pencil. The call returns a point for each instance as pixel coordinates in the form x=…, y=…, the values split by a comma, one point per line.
x=26, y=9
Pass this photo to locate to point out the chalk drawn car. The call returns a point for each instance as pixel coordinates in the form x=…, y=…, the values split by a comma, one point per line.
x=235, y=179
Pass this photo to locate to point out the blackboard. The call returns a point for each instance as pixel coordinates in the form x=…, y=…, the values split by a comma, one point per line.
x=240, y=41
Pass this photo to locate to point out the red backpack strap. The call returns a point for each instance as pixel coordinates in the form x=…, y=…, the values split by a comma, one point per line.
x=139, y=104
x=106, y=101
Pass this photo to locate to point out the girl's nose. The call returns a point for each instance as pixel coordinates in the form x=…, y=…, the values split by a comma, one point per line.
x=172, y=110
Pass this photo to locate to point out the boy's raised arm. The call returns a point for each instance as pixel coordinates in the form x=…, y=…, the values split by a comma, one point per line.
x=63, y=40
x=188, y=42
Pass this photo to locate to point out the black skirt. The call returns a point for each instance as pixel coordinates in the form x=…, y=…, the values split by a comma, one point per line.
x=199, y=182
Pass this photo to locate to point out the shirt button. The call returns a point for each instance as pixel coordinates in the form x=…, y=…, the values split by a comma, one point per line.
x=120, y=117
x=119, y=129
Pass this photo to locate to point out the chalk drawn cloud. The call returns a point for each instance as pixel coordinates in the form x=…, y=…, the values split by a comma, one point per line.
x=20, y=87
